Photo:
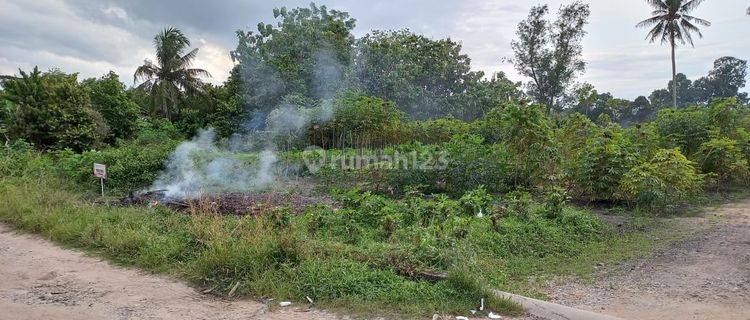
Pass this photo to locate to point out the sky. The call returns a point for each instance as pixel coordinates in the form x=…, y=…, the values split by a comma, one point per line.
x=92, y=37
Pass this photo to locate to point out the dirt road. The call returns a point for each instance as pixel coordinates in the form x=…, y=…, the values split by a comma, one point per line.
x=39, y=280
x=705, y=277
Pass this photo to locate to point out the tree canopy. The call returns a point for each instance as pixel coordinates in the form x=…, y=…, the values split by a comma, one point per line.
x=549, y=52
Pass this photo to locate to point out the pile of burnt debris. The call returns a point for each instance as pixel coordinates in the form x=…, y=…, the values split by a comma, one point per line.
x=234, y=203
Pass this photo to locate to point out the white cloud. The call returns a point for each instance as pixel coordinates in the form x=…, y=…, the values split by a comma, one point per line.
x=93, y=36
x=116, y=12
x=215, y=59
x=51, y=34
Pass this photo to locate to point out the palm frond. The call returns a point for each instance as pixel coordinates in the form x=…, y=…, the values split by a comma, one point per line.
x=690, y=5
x=147, y=71
x=186, y=60
x=657, y=4
x=650, y=22
x=198, y=73
x=696, y=20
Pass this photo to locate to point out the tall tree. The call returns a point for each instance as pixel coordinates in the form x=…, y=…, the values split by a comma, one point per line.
x=171, y=77
x=108, y=97
x=724, y=81
x=304, y=53
x=671, y=22
x=550, y=52
x=52, y=111
x=426, y=78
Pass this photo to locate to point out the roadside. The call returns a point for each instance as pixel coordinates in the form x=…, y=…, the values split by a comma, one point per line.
x=706, y=276
x=43, y=281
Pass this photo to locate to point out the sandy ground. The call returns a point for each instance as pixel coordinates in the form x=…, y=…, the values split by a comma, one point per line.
x=39, y=280
x=704, y=277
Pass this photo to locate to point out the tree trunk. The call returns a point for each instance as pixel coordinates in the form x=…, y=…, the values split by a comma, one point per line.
x=674, y=72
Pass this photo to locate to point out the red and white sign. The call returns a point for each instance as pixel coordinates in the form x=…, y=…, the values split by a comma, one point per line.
x=100, y=171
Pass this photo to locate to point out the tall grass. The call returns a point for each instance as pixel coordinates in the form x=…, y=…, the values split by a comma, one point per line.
x=361, y=258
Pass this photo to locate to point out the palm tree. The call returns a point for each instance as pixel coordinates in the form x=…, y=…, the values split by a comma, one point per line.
x=171, y=77
x=670, y=23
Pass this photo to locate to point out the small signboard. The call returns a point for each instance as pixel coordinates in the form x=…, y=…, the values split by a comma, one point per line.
x=100, y=171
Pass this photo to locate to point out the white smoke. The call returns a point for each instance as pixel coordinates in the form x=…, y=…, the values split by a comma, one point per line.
x=198, y=167
x=249, y=161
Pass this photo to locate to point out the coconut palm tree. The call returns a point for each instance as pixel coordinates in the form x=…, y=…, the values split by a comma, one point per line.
x=672, y=22
x=171, y=76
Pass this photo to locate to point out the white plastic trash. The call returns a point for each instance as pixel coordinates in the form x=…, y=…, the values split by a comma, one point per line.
x=492, y=315
x=285, y=303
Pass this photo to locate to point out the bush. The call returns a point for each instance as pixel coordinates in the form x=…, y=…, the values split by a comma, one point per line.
x=471, y=164
x=52, y=111
x=684, y=128
x=598, y=168
x=108, y=97
x=723, y=157
x=439, y=130
x=360, y=121
x=666, y=180
x=19, y=159
x=130, y=167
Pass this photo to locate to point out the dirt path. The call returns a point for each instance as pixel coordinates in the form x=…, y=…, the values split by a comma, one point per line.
x=704, y=277
x=39, y=280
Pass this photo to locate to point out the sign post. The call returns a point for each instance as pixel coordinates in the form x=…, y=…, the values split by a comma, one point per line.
x=100, y=171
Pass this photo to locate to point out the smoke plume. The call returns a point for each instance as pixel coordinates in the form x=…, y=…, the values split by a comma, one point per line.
x=248, y=161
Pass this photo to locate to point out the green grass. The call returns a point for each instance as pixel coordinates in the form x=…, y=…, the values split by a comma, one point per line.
x=344, y=260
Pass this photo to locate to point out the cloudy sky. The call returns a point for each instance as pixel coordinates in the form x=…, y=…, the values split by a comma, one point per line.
x=94, y=36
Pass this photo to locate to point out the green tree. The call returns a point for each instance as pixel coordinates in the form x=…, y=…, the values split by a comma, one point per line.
x=109, y=98
x=484, y=95
x=171, y=77
x=550, y=52
x=426, y=78
x=660, y=99
x=304, y=54
x=686, y=93
x=642, y=109
x=52, y=111
x=672, y=22
x=724, y=81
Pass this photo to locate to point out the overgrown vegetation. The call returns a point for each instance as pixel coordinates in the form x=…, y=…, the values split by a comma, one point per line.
x=494, y=195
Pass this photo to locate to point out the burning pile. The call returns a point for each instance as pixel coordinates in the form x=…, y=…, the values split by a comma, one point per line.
x=235, y=203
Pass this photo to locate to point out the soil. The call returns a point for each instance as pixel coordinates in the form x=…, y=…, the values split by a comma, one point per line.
x=706, y=276
x=43, y=281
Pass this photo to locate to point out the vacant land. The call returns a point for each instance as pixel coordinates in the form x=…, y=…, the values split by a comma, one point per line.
x=705, y=276
x=44, y=281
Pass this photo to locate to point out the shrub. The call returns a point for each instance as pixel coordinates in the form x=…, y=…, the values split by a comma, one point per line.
x=155, y=131
x=438, y=130
x=684, y=128
x=361, y=122
x=52, y=111
x=667, y=179
x=598, y=168
x=108, y=97
x=555, y=199
x=129, y=167
x=723, y=157
x=475, y=202
x=470, y=164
